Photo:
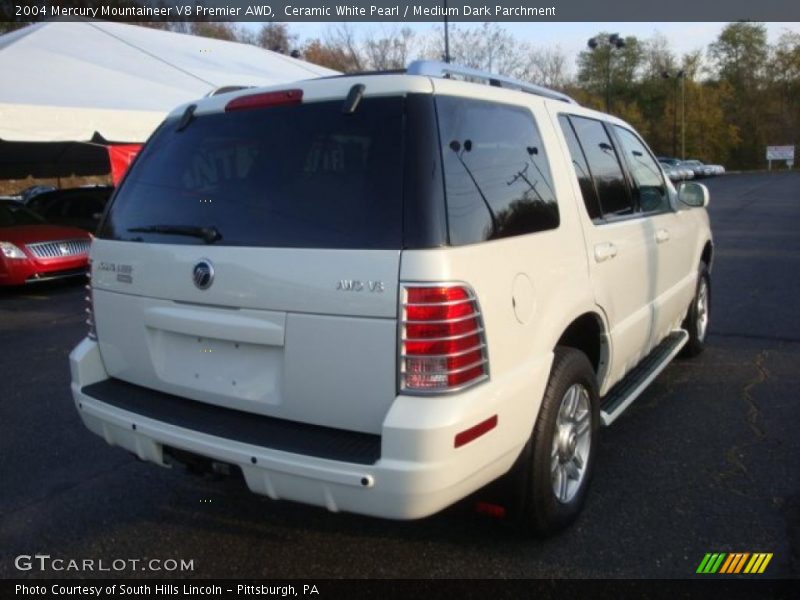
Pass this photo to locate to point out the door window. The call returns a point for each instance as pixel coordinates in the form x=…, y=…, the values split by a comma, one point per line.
x=582, y=170
x=650, y=189
x=612, y=189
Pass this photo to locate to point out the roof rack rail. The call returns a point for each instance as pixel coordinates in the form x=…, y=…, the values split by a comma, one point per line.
x=432, y=68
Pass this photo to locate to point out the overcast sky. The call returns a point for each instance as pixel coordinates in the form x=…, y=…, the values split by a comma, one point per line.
x=572, y=37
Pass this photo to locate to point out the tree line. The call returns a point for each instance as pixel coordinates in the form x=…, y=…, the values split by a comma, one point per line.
x=722, y=104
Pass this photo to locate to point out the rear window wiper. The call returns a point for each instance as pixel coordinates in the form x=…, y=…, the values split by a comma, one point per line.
x=208, y=234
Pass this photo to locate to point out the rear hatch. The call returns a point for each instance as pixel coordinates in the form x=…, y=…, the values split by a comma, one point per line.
x=250, y=260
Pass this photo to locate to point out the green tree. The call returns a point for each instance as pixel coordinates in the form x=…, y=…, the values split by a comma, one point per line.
x=710, y=135
x=739, y=56
x=740, y=53
x=655, y=92
x=608, y=69
x=783, y=93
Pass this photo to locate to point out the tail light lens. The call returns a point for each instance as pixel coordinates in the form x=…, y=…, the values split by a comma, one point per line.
x=442, y=340
x=92, y=333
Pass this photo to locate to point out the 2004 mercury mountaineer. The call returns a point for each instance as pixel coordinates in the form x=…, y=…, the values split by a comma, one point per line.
x=380, y=293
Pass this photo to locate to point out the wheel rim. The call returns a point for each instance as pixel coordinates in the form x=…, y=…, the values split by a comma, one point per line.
x=701, y=308
x=572, y=439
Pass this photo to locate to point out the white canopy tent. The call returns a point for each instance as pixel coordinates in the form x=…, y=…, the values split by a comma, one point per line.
x=67, y=82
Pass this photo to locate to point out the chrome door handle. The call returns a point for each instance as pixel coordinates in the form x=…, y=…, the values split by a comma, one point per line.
x=605, y=251
x=662, y=235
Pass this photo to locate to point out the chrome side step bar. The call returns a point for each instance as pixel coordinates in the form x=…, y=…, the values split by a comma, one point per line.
x=622, y=395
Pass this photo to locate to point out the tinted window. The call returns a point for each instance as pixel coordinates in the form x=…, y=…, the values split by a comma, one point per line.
x=284, y=176
x=582, y=170
x=13, y=213
x=605, y=167
x=497, y=178
x=83, y=207
x=40, y=202
x=650, y=189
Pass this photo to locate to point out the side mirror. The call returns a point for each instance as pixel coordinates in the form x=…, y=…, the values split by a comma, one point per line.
x=693, y=194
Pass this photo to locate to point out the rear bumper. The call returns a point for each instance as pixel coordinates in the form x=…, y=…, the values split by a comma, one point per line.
x=418, y=472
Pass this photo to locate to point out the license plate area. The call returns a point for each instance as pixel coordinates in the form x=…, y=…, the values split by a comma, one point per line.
x=220, y=367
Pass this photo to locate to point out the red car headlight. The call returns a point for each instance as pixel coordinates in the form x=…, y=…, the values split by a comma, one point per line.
x=9, y=250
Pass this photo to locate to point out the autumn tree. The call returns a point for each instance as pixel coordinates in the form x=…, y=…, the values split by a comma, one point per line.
x=710, y=135
x=219, y=30
x=327, y=55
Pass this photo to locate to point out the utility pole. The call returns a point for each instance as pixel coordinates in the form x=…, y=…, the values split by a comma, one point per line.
x=680, y=77
x=446, y=36
x=683, y=114
x=608, y=79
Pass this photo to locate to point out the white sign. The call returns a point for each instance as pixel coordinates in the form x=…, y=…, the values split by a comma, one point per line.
x=780, y=153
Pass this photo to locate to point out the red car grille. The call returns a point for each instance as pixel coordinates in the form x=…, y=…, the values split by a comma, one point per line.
x=59, y=249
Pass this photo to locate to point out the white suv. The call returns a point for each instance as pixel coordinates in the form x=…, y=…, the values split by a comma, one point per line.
x=379, y=293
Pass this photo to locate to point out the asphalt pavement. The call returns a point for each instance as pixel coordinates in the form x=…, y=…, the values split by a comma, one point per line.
x=707, y=460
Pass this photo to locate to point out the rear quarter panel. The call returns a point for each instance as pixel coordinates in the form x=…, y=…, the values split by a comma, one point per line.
x=548, y=270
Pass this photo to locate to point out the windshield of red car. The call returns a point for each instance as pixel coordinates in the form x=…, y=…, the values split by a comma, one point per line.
x=13, y=215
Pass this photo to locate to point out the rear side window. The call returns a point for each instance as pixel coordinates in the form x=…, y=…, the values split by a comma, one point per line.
x=612, y=189
x=303, y=176
x=497, y=177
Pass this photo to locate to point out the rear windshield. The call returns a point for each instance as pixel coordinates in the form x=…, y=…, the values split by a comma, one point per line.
x=305, y=176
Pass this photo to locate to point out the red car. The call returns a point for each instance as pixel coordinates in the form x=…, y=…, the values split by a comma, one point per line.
x=33, y=250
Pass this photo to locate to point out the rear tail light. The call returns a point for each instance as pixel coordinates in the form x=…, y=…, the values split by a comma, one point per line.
x=264, y=100
x=442, y=340
x=92, y=333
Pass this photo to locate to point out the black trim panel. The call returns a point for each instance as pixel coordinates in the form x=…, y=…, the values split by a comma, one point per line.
x=249, y=428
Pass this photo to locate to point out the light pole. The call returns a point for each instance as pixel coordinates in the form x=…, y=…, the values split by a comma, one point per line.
x=678, y=76
x=612, y=42
x=683, y=114
x=446, y=36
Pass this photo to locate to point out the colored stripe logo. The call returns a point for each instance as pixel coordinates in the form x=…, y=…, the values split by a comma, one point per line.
x=734, y=563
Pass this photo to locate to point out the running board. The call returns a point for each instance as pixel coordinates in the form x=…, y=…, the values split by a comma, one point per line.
x=622, y=395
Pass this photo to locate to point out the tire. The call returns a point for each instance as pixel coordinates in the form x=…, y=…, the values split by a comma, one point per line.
x=548, y=502
x=697, y=319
